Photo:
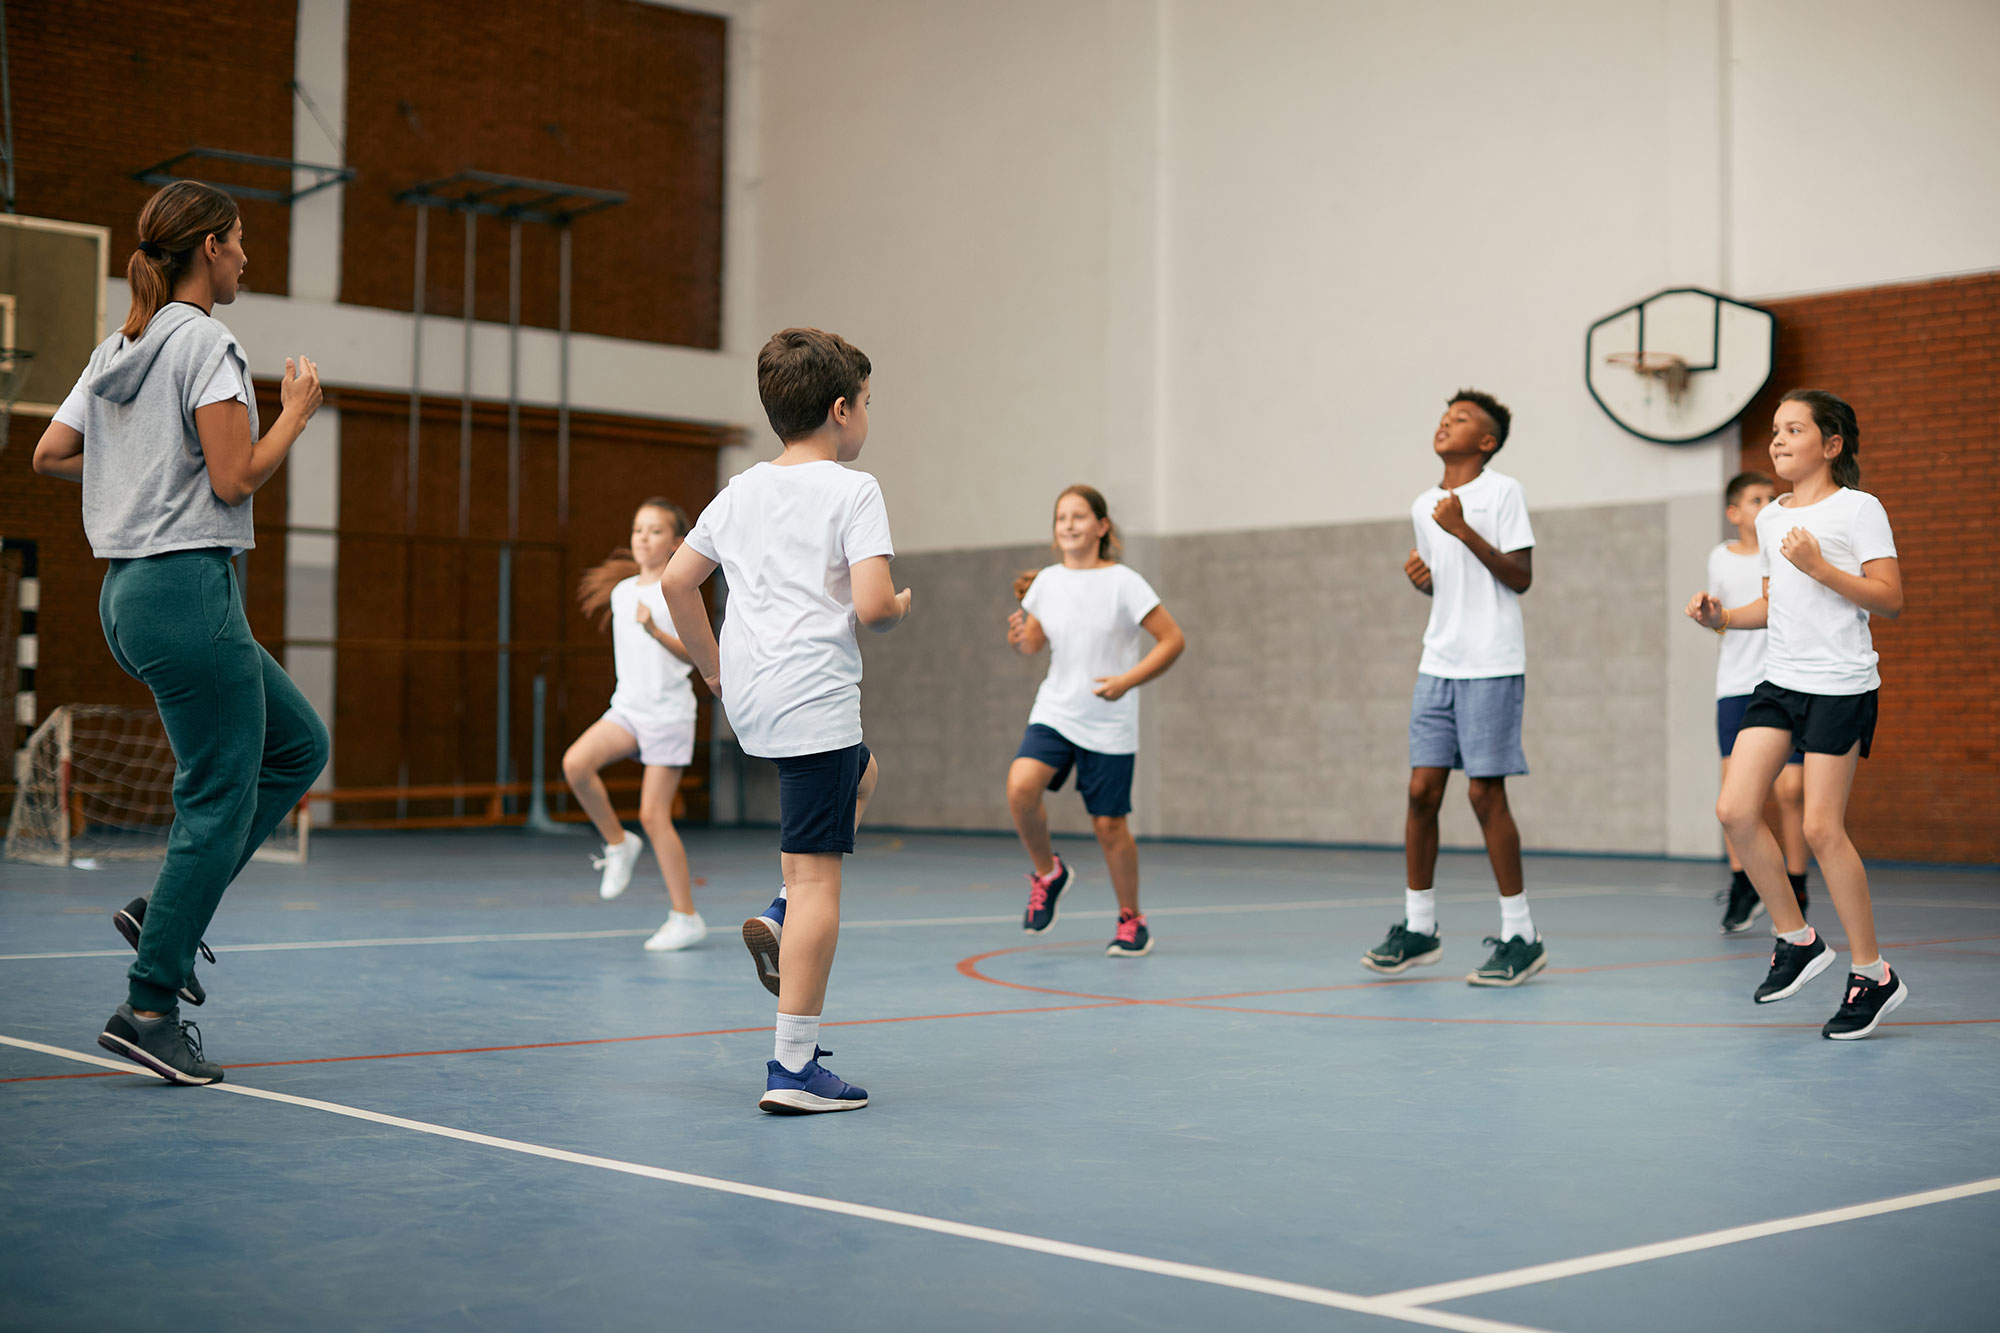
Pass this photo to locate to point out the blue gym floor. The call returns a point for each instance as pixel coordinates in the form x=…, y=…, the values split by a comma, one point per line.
x=461, y=1095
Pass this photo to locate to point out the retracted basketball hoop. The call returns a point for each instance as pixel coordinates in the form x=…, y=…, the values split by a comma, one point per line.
x=1680, y=365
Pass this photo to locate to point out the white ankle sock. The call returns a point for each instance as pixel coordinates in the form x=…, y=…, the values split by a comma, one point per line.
x=1803, y=935
x=1420, y=910
x=1514, y=918
x=783, y=889
x=1877, y=971
x=798, y=1037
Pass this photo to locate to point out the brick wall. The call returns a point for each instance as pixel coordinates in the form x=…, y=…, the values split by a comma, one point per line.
x=102, y=88
x=609, y=94
x=409, y=699
x=1921, y=365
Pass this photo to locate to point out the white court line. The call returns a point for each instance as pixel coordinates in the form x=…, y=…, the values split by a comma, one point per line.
x=1639, y=1254
x=1216, y=1277
x=541, y=936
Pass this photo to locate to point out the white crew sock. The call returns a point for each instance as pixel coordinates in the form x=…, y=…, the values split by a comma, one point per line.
x=1877, y=971
x=1514, y=918
x=783, y=890
x=798, y=1038
x=1420, y=911
x=1803, y=935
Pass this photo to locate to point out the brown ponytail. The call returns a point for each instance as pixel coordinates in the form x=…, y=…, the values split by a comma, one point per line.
x=172, y=227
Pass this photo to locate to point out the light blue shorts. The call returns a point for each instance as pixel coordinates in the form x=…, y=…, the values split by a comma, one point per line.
x=1470, y=724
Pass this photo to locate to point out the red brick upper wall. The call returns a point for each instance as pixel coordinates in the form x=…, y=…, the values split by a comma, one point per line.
x=609, y=94
x=102, y=88
x=1918, y=362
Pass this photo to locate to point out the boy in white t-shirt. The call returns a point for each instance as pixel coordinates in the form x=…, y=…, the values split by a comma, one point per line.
x=1736, y=576
x=1473, y=560
x=804, y=544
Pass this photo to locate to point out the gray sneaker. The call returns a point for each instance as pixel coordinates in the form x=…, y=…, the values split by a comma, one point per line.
x=1403, y=950
x=131, y=919
x=164, y=1045
x=1514, y=960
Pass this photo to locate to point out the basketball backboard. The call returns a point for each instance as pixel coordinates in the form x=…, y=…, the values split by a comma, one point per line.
x=1681, y=364
x=51, y=304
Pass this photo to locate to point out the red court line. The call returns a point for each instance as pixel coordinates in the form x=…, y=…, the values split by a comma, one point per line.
x=969, y=967
x=587, y=1041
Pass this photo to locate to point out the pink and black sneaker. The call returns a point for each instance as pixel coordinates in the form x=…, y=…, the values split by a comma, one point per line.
x=1133, y=940
x=1043, y=893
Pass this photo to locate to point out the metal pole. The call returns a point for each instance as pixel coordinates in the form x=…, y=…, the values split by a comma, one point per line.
x=465, y=484
x=7, y=107
x=503, y=752
x=538, y=801
x=411, y=471
x=562, y=385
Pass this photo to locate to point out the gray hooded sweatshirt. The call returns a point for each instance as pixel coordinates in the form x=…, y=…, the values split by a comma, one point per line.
x=145, y=486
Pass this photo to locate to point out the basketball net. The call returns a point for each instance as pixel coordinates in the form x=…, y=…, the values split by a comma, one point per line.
x=1663, y=368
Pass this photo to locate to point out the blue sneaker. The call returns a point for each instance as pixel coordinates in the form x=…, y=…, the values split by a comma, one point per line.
x=760, y=937
x=1044, y=891
x=810, y=1091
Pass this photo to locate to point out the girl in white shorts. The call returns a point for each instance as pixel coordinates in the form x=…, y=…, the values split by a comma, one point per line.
x=652, y=715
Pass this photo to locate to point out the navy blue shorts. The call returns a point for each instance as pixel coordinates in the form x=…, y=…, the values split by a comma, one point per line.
x=1729, y=721
x=816, y=796
x=1103, y=780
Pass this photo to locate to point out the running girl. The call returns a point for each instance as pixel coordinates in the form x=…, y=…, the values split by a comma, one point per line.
x=1092, y=613
x=1829, y=564
x=651, y=715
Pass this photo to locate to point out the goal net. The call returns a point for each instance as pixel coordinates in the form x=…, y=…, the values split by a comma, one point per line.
x=97, y=784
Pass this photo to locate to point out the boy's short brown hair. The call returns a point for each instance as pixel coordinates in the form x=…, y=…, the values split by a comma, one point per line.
x=801, y=373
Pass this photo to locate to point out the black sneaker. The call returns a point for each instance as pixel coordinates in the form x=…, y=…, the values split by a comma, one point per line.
x=164, y=1045
x=1792, y=966
x=1867, y=1002
x=1514, y=960
x=1403, y=950
x=131, y=919
x=1043, y=893
x=1744, y=907
x=1132, y=939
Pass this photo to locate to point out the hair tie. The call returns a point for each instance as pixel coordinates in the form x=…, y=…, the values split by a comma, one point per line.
x=152, y=250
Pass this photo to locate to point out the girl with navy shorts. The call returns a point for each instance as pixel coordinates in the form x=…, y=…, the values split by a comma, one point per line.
x=1094, y=615
x=651, y=717
x=1829, y=566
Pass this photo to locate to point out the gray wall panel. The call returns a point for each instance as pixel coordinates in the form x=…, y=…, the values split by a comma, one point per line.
x=1287, y=717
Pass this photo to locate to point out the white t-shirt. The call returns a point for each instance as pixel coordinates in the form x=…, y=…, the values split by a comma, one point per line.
x=223, y=385
x=786, y=538
x=1475, y=627
x=652, y=682
x=1091, y=618
x=1819, y=641
x=1737, y=580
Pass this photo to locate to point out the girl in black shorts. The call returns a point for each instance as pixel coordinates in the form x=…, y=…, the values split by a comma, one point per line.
x=1830, y=564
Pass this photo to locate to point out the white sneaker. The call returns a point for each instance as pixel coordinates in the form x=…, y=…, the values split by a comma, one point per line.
x=680, y=932
x=617, y=863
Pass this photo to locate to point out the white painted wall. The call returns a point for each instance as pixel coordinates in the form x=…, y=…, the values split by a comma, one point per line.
x=963, y=191
x=1227, y=258
x=1866, y=146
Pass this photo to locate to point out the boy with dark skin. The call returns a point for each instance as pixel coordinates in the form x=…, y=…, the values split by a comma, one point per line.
x=1466, y=713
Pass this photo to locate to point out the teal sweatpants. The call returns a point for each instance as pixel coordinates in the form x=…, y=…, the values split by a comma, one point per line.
x=246, y=743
